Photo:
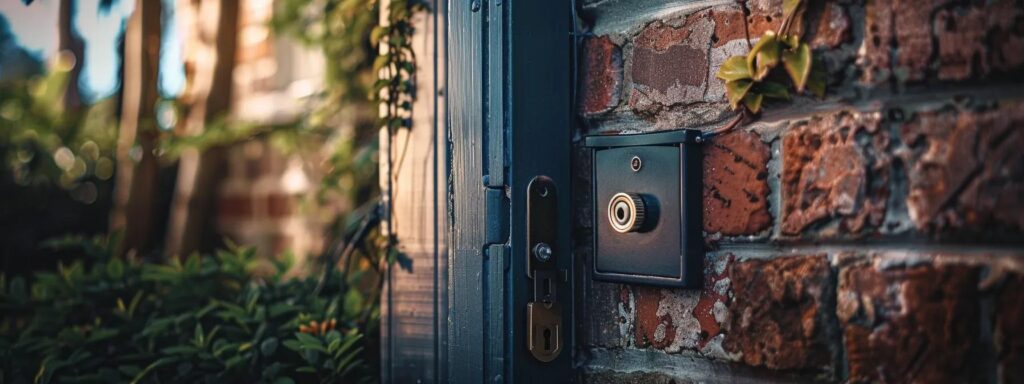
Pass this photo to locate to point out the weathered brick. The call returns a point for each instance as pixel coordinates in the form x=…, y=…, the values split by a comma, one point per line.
x=972, y=39
x=779, y=312
x=831, y=27
x=962, y=35
x=835, y=171
x=730, y=24
x=650, y=328
x=601, y=76
x=736, y=185
x=966, y=169
x=676, y=319
x=901, y=24
x=916, y=323
x=712, y=310
x=669, y=64
x=1009, y=330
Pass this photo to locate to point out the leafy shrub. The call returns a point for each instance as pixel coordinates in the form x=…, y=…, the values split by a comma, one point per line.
x=226, y=317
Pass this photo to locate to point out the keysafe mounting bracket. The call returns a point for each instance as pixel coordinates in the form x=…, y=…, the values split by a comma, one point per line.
x=647, y=204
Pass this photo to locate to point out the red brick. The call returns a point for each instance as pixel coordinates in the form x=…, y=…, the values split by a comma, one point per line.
x=961, y=33
x=673, y=320
x=648, y=320
x=831, y=27
x=729, y=22
x=966, y=169
x=831, y=176
x=736, y=185
x=601, y=76
x=1009, y=330
x=910, y=324
x=779, y=312
x=669, y=64
x=971, y=39
x=712, y=308
x=901, y=24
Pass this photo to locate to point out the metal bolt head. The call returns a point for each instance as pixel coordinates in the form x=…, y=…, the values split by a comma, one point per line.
x=474, y=5
x=699, y=139
x=542, y=251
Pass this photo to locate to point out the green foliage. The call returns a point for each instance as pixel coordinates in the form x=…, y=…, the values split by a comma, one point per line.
x=226, y=317
x=751, y=79
x=42, y=144
x=360, y=75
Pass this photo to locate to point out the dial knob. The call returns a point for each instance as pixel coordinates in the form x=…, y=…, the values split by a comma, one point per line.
x=626, y=212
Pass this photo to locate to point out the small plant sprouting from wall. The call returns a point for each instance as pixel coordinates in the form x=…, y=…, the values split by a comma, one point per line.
x=751, y=79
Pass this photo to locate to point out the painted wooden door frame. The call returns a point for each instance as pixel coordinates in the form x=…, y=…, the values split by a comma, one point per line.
x=494, y=101
x=509, y=120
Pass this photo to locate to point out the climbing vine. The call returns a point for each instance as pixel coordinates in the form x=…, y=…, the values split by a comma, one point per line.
x=752, y=78
x=369, y=64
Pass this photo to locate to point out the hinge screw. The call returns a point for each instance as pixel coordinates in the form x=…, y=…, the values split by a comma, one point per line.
x=542, y=251
x=699, y=139
x=474, y=5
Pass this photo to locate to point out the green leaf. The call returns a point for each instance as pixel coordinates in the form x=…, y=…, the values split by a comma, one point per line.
x=735, y=90
x=198, y=334
x=772, y=90
x=798, y=65
x=753, y=102
x=734, y=68
x=789, y=7
x=764, y=55
x=115, y=269
x=294, y=345
x=268, y=346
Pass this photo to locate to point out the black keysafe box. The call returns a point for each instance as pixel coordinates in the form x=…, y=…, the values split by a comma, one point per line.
x=647, y=191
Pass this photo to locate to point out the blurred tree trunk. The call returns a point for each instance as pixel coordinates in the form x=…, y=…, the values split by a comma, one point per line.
x=212, y=50
x=136, y=187
x=70, y=41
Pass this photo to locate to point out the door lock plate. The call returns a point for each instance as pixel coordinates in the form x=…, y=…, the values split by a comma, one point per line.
x=544, y=313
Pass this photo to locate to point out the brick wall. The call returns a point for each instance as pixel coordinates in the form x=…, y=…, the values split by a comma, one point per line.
x=873, y=236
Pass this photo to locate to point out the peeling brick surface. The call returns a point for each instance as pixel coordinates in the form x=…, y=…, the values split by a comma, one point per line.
x=1009, y=330
x=736, y=184
x=831, y=28
x=971, y=40
x=729, y=21
x=652, y=329
x=915, y=324
x=601, y=80
x=779, y=312
x=673, y=320
x=670, y=64
x=966, y=168
x=835, y=171
x=712, y=310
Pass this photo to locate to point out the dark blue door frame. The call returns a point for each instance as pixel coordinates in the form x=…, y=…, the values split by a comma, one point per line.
x=509, y=121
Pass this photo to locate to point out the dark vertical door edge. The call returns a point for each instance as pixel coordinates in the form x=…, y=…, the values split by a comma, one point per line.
x=539, y=83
